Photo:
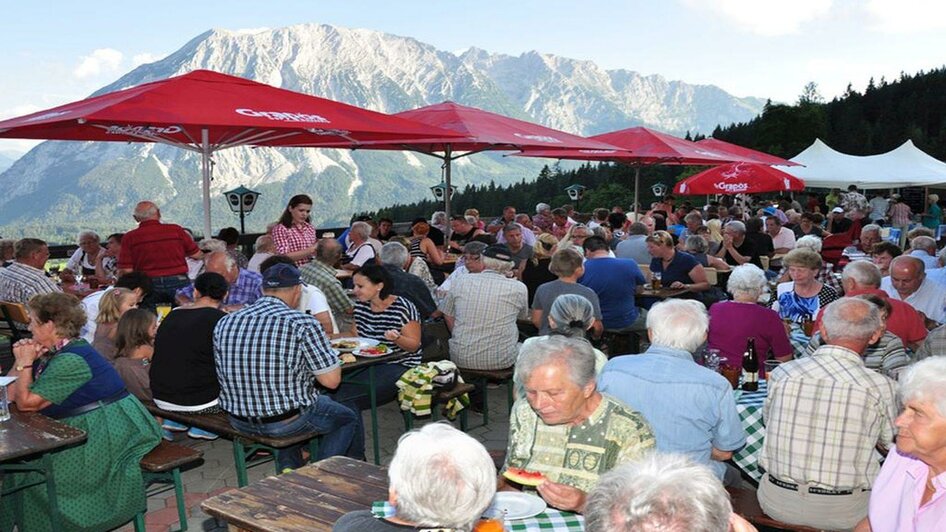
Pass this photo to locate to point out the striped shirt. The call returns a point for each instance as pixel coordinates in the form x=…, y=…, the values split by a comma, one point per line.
x=374, y=324
x=900, y=214
x=292, y=239
x=267, y=356
x=19, y=282
x=824, y=414
x=887, y=356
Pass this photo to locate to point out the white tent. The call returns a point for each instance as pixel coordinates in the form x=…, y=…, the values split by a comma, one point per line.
x=906, y=166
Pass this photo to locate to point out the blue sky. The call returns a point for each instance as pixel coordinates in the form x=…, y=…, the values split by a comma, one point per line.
x=58, y=51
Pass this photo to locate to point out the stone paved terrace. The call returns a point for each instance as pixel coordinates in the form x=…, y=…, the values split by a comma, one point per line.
x=217, y=474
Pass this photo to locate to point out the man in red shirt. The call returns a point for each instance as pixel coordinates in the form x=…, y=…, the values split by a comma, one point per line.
x=159, y=250
x=863, y=277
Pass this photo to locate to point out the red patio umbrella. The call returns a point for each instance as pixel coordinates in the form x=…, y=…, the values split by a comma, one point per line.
x=745, y=153
x=738, y=178
x=205, y=111
x=484, y=131
x=643, y=147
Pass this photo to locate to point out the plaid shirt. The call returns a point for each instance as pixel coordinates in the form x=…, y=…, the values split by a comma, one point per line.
x=318, y=274
x=267, y=356
x=295, y=238
x=900, y=214
x=485, y=307
x=935, y=344
x=19, y=282
x=247, y=289
x=823, y=415
x=887, y=356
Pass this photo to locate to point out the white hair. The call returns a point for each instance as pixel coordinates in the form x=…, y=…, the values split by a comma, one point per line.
x=842, y=321
x=863, y=272
x=737, y=226
x=870, y=228
x=925, y=381
x=228, y=261
x=747, y=279
x=442, y=477
x=395, y=254
x=658, y=493
x=542, y=207
x=497, y=265
x=438, y=218
x=811, y=242
x=924, y=242
x=208, y=245
x=576, y=353
x=678, y=324
x=87, y=233
x=362, y=229
x=263, y=242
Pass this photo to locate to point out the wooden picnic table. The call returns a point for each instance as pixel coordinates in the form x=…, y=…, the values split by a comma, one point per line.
x=311, y=498
x=32, y=435
x=663, y=293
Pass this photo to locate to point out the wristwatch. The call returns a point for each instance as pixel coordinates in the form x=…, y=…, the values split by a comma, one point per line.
x=21, y=368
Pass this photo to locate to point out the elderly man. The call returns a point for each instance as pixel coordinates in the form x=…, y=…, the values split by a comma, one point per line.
x=360, y=250
x=699, y=417
x=543, y=217
x=870, y=235
x=525, y=221
x=565, y=428
x=692, y=221
x=831, y=403
x=862, y=277
x=245, y=286
x=269, y=358
x=508, y=217
x=736, y=248
x=634, y=247
x=83, y=260
x=568, y=265
x=658, y=493
x=615, y=281
x=435, y=451
x=263, y=249
x=321, y=274
x=924, y=248
x=482, y=307
x=907, y=494
x=395, y=258
x=783, y=239
x=159, y=250
x=26, y=277
x=907, y=282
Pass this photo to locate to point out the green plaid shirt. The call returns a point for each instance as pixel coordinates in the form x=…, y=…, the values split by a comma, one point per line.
x=322, y=276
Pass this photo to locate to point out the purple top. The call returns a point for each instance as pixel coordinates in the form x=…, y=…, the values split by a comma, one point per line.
x=731, y=323
x=895, y=499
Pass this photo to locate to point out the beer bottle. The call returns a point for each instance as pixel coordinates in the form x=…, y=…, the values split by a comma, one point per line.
x=750, y=367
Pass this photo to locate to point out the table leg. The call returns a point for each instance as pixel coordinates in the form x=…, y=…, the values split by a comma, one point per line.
x=239, y=460
x=372, y=395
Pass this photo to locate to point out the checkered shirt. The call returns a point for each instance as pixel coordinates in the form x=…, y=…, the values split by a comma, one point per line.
x=824, y=415
x=323, y=277
x=485, y=307
x=887, y=356
x=19, y=282
x=247, y=289
x=295, y=238
x=267, y=356
x=935, y=344
x=900, y=214
x=551, y=520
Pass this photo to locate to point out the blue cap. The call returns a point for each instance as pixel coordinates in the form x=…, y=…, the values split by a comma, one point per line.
x=281, y=276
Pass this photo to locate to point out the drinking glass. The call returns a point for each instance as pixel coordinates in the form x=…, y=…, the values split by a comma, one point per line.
x=4, y=405
x=655, y=280
x=711, y=359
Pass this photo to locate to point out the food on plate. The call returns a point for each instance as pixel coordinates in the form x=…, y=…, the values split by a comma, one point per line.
x=345, y=344
x=347, y=358
x=374, y=351
x=523, y=476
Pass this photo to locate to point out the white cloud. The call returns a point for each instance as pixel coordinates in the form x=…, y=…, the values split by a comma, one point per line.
x=907, y=16
x=146, y=57
x=766, y=17
x=100, y=61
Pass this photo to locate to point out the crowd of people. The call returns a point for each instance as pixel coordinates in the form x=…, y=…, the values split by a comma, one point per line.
x=846, y=308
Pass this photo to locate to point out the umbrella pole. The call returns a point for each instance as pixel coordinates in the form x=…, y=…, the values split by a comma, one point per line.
x=446, y=194
x=205, y=171
x=637, y=201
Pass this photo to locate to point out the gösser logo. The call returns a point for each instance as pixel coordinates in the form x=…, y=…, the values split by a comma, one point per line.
x=282, y=116
x=144, y=131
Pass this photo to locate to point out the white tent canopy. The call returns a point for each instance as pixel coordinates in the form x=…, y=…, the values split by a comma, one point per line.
x=906, y=166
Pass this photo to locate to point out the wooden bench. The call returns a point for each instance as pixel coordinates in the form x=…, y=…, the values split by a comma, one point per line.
x=15, y=320
x=481, y=377
x=163, y=464
x=244, y=445
x=746, y=504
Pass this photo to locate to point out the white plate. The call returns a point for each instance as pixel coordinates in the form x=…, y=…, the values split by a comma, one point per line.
x=362, y=342
x=358, y=353
x=516, y=505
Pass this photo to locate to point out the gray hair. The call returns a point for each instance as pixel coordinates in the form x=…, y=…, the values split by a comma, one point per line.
x=925, y=381
x=441, y=476
x=208, y=245
x=693, y=217
x=572, y=315
x=747, y=279
x=474, y=247
x=659, y=492
x=850, y=318
x=811, y=242
x=394, y=253
x=737, y=226
x=438, y=218
x=924, y=242
x=146, y=210
x=88, y=233
x=362, y=229
x=508, y=228
x=328, y=250
x=636, y=228
x=542, y=207
x=263, y=242
x=497, y=265
x=678, y=324
x=696, y=244
x=870, y=228
x=863, y=272
x=228, y=262
x=575, y=353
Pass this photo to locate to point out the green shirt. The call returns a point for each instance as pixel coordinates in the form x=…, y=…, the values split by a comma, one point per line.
x=577, y=455
x=317, y=274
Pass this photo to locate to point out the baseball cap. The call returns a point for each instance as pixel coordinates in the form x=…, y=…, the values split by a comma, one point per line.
x=281, y=276
x=498, y=251
x=837, y=209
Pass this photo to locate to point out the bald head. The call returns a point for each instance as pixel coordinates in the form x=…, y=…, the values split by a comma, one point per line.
x=906, y=275
x=146, y=210
x=221, y=262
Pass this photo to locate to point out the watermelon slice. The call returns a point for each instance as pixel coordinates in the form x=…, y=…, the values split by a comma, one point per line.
x=524, y=477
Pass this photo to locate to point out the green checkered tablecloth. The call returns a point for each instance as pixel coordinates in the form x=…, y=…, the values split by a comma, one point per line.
x=550, y=519
x=749, y=406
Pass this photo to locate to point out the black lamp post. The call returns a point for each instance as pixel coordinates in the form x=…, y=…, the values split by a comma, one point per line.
x=575, y=193
x=241, y=200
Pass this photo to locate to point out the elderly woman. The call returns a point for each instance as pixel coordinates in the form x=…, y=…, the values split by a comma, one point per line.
x=543, y=217
x=421, y=246
x=907, y=494
x=440, y=478
x=804, y=295
x=697, y=247
x=932, y=217
x=731, y=322
x=882, y=254
x=82, y=262
x=99, y=483
x=294, y=235
x=678, y=269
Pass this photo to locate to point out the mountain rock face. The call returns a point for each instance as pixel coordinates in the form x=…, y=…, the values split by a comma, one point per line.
x=68, y=185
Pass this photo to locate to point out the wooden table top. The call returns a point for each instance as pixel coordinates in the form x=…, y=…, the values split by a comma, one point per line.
x=663, y=293
x=310, y=498
x=361, y=362
x=26, y=434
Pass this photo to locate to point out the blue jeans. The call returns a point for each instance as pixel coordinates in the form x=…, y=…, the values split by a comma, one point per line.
x=353, y=393
x=164, y=288
x=334, y=422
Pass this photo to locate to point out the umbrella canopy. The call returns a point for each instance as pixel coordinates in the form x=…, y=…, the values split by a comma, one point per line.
x=738, y=178
x=745, y=153
x=206, y=111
